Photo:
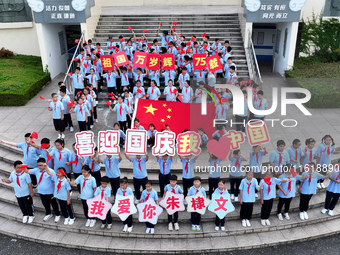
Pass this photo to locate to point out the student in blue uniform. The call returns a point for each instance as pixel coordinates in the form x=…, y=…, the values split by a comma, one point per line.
x=45, y=189
x=140, y=174
x=176, y=189
x=62, y=193
x=112, y=170
x=57, y=108
x=184, y=76
x=61, y=156
x=220, y=131
x=247, y=197
x=94, y=163
x=221, y=190
x=214, y=173
x=82, y=114
x=188, y=172
x=78, y=81
x=309, y=153
x=124, y=190
x=76, y=163
x=122, y=135
x=164, y=175
x=308, y=188
x=204, y=137
x=88, y=187
x=105, y=192
x=187, y=93
x=153, y=92
x=31, y=154
x=23, y=191
x=196, y=217
x=122, y=111
x=236, y=160
x=150, y=135
x=279, y=157
x=295, y=153
x=147, y=193
x=111, y=81
x=333, y=191
x=261, y=104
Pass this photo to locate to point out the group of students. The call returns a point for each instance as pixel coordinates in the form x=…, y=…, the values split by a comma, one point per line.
x=49, y=169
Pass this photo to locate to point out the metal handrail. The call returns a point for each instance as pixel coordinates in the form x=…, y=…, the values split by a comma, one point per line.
x=254, y=71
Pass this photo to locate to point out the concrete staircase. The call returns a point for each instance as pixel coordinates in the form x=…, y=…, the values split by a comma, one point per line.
x=222, y=26
x=163, y=241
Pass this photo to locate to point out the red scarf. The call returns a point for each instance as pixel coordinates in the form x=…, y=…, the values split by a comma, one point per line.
x=123, y=191
x=140, y=168
x=77, y=78
x=59, y=186
x=328, y=150
x=280, y=158
x=257, y=157
x=59, y=155
x=147, y=197
x=120, y=109
x=186, y=167
x=41, y=176
x=81, y=109
x=84, y=183
x=92, y=166
x=125, y=76
x=109, y=76
x=164, y=167
x=77, y=160
x=109, y=163
x=237, y=163
x=296, y=155
x=289, y=184
x=102, y=194
x=309, y=179
x=269, y=183
x=18, y=181
x=249, y=184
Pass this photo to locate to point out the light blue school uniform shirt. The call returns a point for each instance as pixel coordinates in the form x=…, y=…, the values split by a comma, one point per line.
x=193, y=190
x=88, y=106
x=177, y=189
x=306, y=160
x=215, y=47
x=199, y=93
x=187, y=94
x=93, y=80
x=217, y=134
x=188, y=172
x=86, y=187
x=121, y=45
x=220, y=115
x=139, y=94
x=285, y=186
x=129, y=102
x=92, y=164
x=260, y=105
x=78, y=81
x=60, y=158
x=165, y=40
x=81, y=57
x=309, y=186
x=126, y=192
x=121, y=115
x=167, y=166
x=212, y=80
x=214, y=168
x=156, y=48
x=227, y=72
x=112, y=45
x=267, y=195
x=151, y=134
x=153, y=93
x=61, y=193
x=111, y=167
x=217, y=191
x=182, y=78
x=140, y=77
x=292, y=155
x=248, y=186
x=200, y=76
x=204, y=139
x=139, y=172
x=167, y=77
x=76, y=168
x=46, y=185
x=57, y=107
x=333, y=186
x=110, y=79
x=43, y=154
x=275, y=158
x=121, y=134
x=24, y=179
x=171, y=93
x=89, y=65
x=154, y=75
x=81, y=112
x=31, y=154
x=89, y=100
x=325, y=159
x=146, y=195
x=106, y=193
x=235, y=171
x=124, y=79
x=173, y=50
x=255, y=161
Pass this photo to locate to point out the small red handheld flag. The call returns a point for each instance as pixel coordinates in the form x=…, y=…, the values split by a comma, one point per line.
x=71, y=103
x=108, y=103
x=193, y=38
x=180, y=98
x=23, y=167
x=43, y=146
x=49, y=108
x=205, y=46
x=112, y=98
x=70, y=74
x=122, y=39
x=42, y=98
x=110, y=94
x=188, y=43
x=161, y=24
x=130, y=28
x=73, y=162
x=174, y=29
x=34, y=135
x=174, y=23
x=85, y=66
x=182, y=52
x=48, y=159
x=180, y=34
x=76, y=41
x=204, y=35
x=85, y=41
x=75, y=59
x=149, y=45
x=146, y=31
x=139, y=40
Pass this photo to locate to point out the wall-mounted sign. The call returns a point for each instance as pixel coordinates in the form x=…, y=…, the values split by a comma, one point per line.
x=332, y=8
x=62, y=11
x=273, y=11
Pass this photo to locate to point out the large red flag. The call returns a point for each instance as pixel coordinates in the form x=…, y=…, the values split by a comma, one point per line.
x=177, y=115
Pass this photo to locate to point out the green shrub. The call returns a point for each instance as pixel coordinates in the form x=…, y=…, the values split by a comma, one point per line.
x=21, y=78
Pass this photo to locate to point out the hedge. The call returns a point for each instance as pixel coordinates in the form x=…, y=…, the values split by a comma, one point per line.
x=322, y=79
x=21, y=78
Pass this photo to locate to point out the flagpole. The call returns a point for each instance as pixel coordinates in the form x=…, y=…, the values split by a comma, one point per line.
x=134, y=114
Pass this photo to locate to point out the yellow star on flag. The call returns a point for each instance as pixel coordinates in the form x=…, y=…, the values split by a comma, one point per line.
x=169, y=109
x=164, y=105
x=162, y=120
x=168, y=116
x=150, y=109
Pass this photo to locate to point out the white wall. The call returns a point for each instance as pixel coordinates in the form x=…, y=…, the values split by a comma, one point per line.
x=50, y=48
x=282, y=63
x=20, y=37
x=312, y=6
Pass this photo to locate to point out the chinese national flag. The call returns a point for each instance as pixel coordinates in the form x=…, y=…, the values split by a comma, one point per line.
x=177, y=115
x=168, y=61
x=153, y=62
x=214, y=63
x=121, y=59
x=140, y=59
x=107, y=62
x=199, y=61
